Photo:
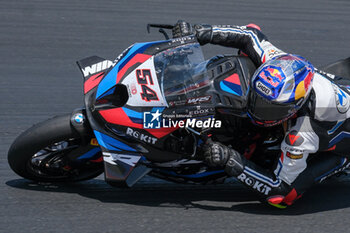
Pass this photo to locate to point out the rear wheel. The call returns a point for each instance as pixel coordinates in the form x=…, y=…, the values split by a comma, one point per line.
x=53, y=151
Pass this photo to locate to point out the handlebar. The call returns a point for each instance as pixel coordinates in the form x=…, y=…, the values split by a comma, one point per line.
x=161, y=26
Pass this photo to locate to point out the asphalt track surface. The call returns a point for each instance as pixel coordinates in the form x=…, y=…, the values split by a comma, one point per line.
x=39, y=44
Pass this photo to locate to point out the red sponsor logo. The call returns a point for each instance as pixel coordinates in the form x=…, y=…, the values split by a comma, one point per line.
x=293, y=138
x=133, y=89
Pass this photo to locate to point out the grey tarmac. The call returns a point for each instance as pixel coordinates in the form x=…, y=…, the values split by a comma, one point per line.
x=39, y=44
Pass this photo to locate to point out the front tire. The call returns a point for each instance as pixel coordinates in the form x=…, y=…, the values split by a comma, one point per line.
x=41, y=153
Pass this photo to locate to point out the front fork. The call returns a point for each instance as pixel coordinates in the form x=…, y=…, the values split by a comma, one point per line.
x=81, y=124
x=89, y=148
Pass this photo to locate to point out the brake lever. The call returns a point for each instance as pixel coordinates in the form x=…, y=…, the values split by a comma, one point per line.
x=164, y=26
x=161, y=30
x=203, y=135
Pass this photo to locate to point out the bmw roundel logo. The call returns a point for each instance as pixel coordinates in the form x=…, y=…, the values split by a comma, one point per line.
x=78, y=118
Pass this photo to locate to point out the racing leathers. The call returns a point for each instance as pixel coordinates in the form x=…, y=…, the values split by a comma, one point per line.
x=322, y=124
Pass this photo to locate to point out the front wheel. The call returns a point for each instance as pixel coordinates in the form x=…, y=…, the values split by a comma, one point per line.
x=53, y=151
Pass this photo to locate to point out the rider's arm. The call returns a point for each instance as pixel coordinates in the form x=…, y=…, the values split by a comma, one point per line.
x=293, y=174
x=248, y=39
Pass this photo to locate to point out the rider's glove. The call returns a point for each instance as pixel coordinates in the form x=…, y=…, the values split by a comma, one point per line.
x=217, y=154
x=203, y=32
x=182, y=29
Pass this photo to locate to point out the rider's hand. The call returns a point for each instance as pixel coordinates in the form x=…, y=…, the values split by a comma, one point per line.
x=182, y=29
x=216, y=154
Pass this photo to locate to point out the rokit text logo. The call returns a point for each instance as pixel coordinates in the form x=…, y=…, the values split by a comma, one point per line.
x=141, y=136
x=95, y=68
x=258, y=186
x=264, y=89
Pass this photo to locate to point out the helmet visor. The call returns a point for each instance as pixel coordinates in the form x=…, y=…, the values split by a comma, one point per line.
x=263, y=110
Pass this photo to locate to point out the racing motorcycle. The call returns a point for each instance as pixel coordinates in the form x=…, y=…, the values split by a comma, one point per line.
x=148, y=112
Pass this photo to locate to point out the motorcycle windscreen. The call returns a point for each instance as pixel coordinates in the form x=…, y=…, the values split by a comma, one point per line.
x=182, y=73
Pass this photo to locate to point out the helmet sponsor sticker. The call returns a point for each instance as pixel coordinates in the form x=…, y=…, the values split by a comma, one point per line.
x=272, y=75
x=263, y=89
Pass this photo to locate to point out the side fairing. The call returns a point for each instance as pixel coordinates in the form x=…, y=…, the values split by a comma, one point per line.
x=112, y=125
x=126, y=62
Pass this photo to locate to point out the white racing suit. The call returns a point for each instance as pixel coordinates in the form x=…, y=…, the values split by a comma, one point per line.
x=323, y=124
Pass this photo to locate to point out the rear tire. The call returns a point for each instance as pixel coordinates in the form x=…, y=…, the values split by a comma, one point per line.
x=40, y=136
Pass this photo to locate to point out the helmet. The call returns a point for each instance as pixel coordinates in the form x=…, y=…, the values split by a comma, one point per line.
x=279, y=88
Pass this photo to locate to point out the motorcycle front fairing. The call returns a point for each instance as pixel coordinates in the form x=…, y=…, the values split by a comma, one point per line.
x=149, y=79
x=116, y=96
